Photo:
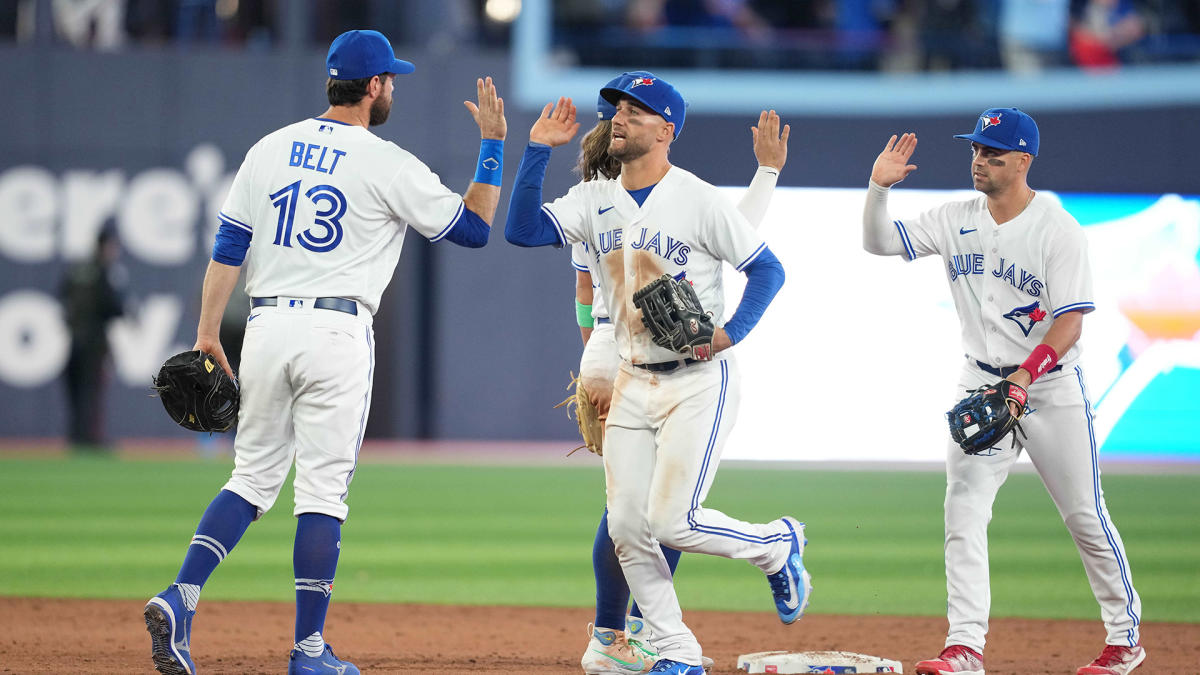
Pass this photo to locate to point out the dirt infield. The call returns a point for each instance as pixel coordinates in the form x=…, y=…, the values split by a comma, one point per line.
x=97, y=636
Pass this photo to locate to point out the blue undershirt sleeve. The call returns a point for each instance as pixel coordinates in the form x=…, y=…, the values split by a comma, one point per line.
x=469, y=230
x=527, y=224
x=231, y=244
x=764, y=278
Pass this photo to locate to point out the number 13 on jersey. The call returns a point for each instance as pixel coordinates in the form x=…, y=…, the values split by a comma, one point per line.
x=328, y=219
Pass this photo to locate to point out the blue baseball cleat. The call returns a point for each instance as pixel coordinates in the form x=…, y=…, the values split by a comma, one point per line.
x=676, y=668
x=327, y=663
x=792, y=584
x=170, y=625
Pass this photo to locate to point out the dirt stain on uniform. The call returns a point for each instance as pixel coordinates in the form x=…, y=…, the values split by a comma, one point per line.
x=643, y=268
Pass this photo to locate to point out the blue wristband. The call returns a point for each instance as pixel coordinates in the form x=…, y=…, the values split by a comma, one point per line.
x=490, y=169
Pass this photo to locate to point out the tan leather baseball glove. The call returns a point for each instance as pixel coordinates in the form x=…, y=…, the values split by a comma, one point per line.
x=591, y=428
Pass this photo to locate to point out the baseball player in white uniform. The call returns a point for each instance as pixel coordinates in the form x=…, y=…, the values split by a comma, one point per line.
x=612, y=649
x=669, y=416
x=317, y=212
x=1018, y=269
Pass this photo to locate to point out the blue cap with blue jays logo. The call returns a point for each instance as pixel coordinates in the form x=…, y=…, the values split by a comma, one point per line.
x=356, y=54
x=606, y=110
x=1006, y=129
x=653, y=92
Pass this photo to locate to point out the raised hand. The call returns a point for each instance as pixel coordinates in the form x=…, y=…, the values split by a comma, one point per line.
x=556, y=125
x=892, y=165
x=489, y=114
x=770, y=147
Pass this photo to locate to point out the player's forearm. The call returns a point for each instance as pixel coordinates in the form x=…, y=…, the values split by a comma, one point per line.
x=483, y=195
x=880, y=236
x=219, y=282
x=482, y=199
x=1064, y=332
x=527, y=224
x=758, y=196
x=764, y=278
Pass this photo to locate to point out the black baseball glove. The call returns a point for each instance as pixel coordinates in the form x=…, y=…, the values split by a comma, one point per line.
x=673, y=315
x=197, y=392
x=984, y=418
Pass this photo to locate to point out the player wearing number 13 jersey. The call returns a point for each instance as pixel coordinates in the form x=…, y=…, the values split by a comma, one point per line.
x=317, y=213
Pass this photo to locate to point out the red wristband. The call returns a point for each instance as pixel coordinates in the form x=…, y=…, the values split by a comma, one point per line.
x=1041, y=359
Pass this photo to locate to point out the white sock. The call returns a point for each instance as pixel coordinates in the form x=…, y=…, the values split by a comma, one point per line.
x=191, y=595
x=313, y=645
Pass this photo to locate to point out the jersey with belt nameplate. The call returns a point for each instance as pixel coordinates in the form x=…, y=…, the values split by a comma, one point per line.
x=581, y=259
x=1008, y=281
x=327, y=205
x=685, y=228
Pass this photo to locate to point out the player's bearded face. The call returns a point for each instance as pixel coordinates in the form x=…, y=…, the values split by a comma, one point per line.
x=382, y=106
x=633, y=131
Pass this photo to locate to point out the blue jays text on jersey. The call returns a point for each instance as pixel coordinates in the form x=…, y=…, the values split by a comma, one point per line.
x=666, y=247
x=673, y=250
x=965, y=264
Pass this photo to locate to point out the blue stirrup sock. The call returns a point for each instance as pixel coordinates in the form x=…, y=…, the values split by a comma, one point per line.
x=612, y=593
x=221, y=527
x=314, y=562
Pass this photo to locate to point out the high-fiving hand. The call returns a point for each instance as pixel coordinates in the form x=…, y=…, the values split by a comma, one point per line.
x=489, y=114
x=770, y=146
x=892, y=165
x=556, y=125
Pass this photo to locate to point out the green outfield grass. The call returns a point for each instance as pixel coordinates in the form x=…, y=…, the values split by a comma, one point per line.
x=108, y=528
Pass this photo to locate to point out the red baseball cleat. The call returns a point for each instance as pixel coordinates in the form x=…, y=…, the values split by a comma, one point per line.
x=953, y=659
x=1115, y=660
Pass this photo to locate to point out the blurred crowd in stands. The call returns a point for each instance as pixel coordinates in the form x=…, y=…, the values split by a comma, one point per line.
x=1020, y=35
x=890, y=35
x=246, y=24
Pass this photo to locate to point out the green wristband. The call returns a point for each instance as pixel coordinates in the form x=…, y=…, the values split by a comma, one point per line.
x=583, y=314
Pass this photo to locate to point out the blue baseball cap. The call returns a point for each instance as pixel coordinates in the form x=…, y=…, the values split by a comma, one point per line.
x=653, y=92
x=1006, y=129
x=604, y=109
x=356, y=54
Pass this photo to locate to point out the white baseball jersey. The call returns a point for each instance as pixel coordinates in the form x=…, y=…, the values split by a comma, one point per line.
x=1008, y=281
x=580, y=259
x=685, y=227
x=327, y=205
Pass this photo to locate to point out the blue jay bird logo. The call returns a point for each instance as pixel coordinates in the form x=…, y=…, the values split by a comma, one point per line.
x=1026, y=316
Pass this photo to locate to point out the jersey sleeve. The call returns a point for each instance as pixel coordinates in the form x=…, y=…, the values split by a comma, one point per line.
x=1068, y=272
x=579, y=257
x=569, y=213
x=416, y=196
x=728, y=235
x=238, y=209
x=923, y=234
